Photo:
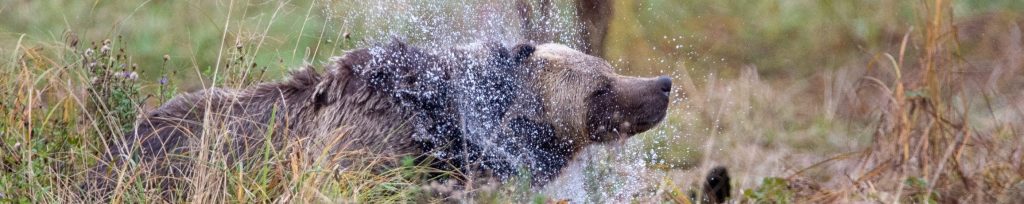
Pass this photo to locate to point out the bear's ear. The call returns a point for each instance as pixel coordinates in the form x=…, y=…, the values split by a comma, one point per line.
x=522, y=51
x=322, y=93
x=338, y=73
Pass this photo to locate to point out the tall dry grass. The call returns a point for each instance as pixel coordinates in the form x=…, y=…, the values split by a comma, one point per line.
x=936, y=119
x=66, y=100
x=64, y=108
x=932, y=114
x=928, y=149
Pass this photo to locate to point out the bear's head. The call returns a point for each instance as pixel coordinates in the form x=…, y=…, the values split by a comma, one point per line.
x=509, y=108
x=587, y=102
x=564, y=100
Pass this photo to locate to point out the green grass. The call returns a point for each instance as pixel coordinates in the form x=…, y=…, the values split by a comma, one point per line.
x=781, y=92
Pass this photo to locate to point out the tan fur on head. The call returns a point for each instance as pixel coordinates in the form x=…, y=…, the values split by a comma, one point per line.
x=589, y=102
x=565, y=78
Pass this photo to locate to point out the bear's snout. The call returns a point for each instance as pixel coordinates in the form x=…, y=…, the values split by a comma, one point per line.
x=665, y=83
x=652, y=104
x=644, y=102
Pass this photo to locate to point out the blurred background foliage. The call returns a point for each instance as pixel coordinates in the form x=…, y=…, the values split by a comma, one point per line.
x=785, y=69
x=783, y=39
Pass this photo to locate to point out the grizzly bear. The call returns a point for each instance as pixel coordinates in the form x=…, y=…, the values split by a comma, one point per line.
x=496, y=109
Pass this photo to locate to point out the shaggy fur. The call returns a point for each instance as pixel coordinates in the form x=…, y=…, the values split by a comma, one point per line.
x=390, y=101
x=480, y=108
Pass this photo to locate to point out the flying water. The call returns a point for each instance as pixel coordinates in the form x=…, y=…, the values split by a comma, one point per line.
x=615, y=172
x=444, y=23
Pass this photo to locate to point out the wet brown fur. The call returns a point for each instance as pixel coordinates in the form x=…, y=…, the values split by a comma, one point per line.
x=357, y=106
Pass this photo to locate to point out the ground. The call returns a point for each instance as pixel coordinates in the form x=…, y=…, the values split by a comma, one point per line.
x=806, y=100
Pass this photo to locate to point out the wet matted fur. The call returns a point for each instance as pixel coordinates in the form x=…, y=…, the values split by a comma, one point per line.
x=483, y=108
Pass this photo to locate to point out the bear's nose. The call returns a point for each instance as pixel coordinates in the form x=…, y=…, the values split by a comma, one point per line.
x=665, y=84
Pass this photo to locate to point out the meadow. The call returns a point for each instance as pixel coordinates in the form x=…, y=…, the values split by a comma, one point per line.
x=804, y=101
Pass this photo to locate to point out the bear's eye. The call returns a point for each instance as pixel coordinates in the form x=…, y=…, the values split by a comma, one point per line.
x=600, y=92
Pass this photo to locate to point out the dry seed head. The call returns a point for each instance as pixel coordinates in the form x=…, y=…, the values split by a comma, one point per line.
x=129, y=75
x=105, y=50
x=72, y=39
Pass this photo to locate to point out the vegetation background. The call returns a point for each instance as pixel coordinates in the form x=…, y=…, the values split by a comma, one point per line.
x=812, y=101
